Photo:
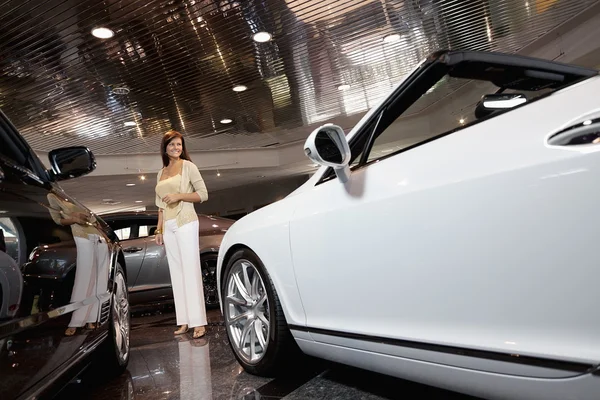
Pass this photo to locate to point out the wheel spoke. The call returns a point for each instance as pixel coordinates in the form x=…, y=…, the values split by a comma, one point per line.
x=262, y=299
x=261, y=316
x=241, y=288
x=259, y=334
x=245, y=333
x=118, y=334
x=239, y=317
x=255, y=284
x=236, y=301
x=253, y=340
x=247, y=283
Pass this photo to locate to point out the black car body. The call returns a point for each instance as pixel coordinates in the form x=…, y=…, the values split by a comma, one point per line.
x=38, y=355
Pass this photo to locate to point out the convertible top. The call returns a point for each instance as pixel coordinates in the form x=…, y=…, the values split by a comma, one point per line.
x=510, y=71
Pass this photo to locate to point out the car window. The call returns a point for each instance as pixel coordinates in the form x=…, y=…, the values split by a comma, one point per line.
x=123, y=233
x=447, y=106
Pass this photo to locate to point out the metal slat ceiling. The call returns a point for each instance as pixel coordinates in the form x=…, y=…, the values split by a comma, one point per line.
x=173, y=64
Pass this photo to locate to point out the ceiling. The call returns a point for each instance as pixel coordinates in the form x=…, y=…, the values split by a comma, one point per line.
x=175, y=64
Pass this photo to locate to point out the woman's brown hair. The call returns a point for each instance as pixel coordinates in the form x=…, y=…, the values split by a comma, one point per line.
x=170, y=135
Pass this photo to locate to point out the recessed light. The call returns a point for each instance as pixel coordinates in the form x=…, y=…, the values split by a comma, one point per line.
x=130, y=123
x=102, y=33
x=587, y=122
x=262, y=37
x=130, y=184
x=462, y=121
x=139, y=201
x=226, y=121
x=394, y=37
x=343, y=87
x=240, y=88
x=143, y=177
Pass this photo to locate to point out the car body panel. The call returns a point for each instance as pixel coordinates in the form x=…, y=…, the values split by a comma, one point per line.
x=470, y=254
x=35, y=348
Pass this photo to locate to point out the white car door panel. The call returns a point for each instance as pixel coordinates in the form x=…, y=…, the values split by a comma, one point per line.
x=430, y=245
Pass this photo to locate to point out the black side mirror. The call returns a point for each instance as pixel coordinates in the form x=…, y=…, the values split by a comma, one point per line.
x=71, y=162
x=491, y=103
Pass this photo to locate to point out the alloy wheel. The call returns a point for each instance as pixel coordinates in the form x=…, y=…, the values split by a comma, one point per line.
x=121, y=318
x=247, y=311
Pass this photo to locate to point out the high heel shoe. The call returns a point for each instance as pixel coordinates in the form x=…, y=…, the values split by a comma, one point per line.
x=182, y=329
x=199, y=332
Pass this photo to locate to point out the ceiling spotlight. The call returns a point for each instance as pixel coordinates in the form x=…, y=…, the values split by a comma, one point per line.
x=240, y=88
x=262, y=37
x=226, y=121
x=343, y=87
x=102, y=33
x=143, y=177
x=139, y=201
x=394, y=37
x=462, y=121
x=130, y=184
x=587, y=122
x=130, y=123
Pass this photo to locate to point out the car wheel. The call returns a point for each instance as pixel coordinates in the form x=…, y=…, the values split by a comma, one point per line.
x=114, y=357
x=209, y=279
x=256, y=326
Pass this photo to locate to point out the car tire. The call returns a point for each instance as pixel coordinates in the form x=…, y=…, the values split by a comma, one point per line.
x=113, y=356
x=208, y=264
x=281, y=349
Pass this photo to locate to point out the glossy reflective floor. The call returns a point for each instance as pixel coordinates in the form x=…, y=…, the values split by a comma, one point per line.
x=166, y=367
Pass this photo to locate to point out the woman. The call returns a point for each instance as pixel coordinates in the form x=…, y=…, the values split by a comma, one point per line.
x=179, y=185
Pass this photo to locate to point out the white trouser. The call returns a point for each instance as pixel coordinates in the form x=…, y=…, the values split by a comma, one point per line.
x=91, y=278
x=182, y=246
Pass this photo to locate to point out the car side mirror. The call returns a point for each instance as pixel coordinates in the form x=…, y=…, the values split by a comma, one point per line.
x=327, y=145
x=71, y=162
x=491, y=103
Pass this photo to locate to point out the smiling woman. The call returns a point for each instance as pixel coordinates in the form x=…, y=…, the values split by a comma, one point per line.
x=179, y=185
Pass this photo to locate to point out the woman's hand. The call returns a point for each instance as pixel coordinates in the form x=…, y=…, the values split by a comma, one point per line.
x=171, y=198
x=159, y=239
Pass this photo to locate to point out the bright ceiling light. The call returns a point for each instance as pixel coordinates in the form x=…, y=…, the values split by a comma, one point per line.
x=262, y=37
x=240, y=88
x=462, y=121
x=343, y=87
x=130, y=184
x=130, y=123
x=102, y=33
x=143, y=177
x=139, y=201
x=394, y=37
x=587, y=122
x=226, y=121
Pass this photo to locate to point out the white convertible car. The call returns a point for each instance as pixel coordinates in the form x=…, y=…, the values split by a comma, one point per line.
x=451, y=238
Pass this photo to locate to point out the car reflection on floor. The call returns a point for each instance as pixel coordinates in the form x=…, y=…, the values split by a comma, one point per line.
x=166, y=367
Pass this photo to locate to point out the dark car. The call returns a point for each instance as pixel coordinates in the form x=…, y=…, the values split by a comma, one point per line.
x=49, y=332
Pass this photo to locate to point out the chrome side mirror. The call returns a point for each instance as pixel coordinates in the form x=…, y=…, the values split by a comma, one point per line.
x=327, y=145
x=71, y=162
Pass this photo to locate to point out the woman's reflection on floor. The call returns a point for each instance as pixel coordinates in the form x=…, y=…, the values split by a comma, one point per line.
x=195, y=379
x=91, y=272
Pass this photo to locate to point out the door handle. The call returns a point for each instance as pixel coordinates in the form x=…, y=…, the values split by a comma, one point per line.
x=132, y=249
x=584, y=133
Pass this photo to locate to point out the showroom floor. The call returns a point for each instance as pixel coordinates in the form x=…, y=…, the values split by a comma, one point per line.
x=166, y=367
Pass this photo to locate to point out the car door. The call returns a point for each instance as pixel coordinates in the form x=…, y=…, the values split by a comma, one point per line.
x=154, y=277
x=38, y=262
x=459, y=233
x=134, y=249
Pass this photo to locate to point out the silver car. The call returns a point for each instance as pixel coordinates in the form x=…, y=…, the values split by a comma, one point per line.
x=147, y=267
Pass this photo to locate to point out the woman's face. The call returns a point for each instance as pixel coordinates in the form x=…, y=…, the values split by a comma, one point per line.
x=174, y=148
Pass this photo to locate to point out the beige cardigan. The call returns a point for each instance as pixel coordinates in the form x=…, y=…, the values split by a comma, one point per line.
x=191, y=181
